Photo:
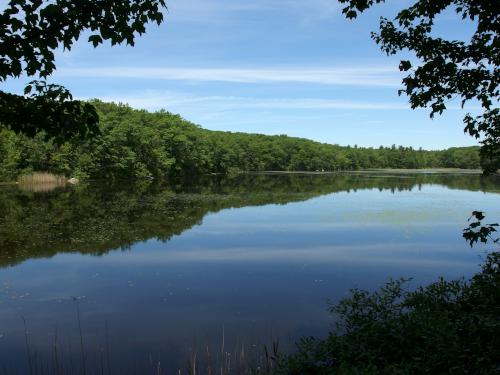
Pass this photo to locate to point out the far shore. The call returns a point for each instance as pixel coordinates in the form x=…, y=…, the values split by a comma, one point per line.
x=385, y=170
x=363, y=171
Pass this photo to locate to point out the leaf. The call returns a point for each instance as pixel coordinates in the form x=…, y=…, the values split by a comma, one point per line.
x=404, y=65
x=27, y=89
x=95, y=40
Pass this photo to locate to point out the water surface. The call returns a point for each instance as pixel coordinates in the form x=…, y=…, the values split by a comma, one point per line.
x=158, y=270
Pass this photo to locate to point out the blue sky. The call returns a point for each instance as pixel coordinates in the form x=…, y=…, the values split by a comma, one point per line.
x=265, y=66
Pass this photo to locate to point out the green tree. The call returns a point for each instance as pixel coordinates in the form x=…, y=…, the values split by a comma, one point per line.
x=446, y=69
x=136, y=144
x=30, y=32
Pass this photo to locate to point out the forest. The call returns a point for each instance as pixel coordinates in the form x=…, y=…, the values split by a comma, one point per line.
x=138, y=144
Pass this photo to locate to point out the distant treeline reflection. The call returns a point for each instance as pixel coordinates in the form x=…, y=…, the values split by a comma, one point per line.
x=97, y=218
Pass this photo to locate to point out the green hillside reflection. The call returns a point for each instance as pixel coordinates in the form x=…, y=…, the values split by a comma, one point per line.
x=96, y=218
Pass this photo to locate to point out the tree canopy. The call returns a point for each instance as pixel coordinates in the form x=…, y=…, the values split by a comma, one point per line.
x=136, y=144
x=32, y=30
x=443, y=69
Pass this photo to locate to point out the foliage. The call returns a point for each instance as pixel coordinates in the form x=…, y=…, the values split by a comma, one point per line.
x=51, y=108
x=30, y=32
x=448, y=327
x=477, y=232
x=447, y=69
x=138, y=144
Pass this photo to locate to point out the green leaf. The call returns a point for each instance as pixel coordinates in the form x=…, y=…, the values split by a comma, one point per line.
x=95, y=40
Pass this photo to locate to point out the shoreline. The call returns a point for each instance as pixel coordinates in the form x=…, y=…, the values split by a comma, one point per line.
x=450, y=171
x=444, y=171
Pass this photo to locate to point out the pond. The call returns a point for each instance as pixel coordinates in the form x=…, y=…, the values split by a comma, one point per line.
x=137, y=277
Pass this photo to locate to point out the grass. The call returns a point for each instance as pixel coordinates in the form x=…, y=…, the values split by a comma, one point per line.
x=41, y=182
x=241, y=360
x=203, y=359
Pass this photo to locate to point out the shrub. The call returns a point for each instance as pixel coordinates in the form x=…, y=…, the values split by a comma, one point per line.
x=448, y=327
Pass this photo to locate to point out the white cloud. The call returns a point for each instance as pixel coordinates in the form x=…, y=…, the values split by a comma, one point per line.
x=396, y=254
x=217, y=10
x=341, y=76
x=153, y=100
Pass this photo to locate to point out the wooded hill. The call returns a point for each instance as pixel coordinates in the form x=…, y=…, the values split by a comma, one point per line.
x=137, y=143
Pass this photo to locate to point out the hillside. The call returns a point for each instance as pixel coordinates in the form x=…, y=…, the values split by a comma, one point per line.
x=137, y=143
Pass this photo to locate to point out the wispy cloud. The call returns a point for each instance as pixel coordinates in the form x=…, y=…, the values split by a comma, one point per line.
x=395, y=254
x=343, y=76
x=153, y=100
x=217, y=10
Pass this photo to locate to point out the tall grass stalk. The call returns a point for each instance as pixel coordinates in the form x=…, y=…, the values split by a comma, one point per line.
x=239, y=361
x=28, y=351
x=82, y=349
x=220, y=359
x=108, y=365
x=41, y=181
x=56, y=355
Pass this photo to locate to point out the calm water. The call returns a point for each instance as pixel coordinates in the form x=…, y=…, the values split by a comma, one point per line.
x=158, y=271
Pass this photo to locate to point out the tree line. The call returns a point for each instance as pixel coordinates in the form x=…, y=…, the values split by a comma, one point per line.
x=137, y=144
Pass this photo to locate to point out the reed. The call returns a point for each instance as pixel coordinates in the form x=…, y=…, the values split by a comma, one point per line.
x=41, y=181
x=260, y=360
x=219, y=359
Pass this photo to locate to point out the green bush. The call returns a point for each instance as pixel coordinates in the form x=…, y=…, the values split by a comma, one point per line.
x=448, y=327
